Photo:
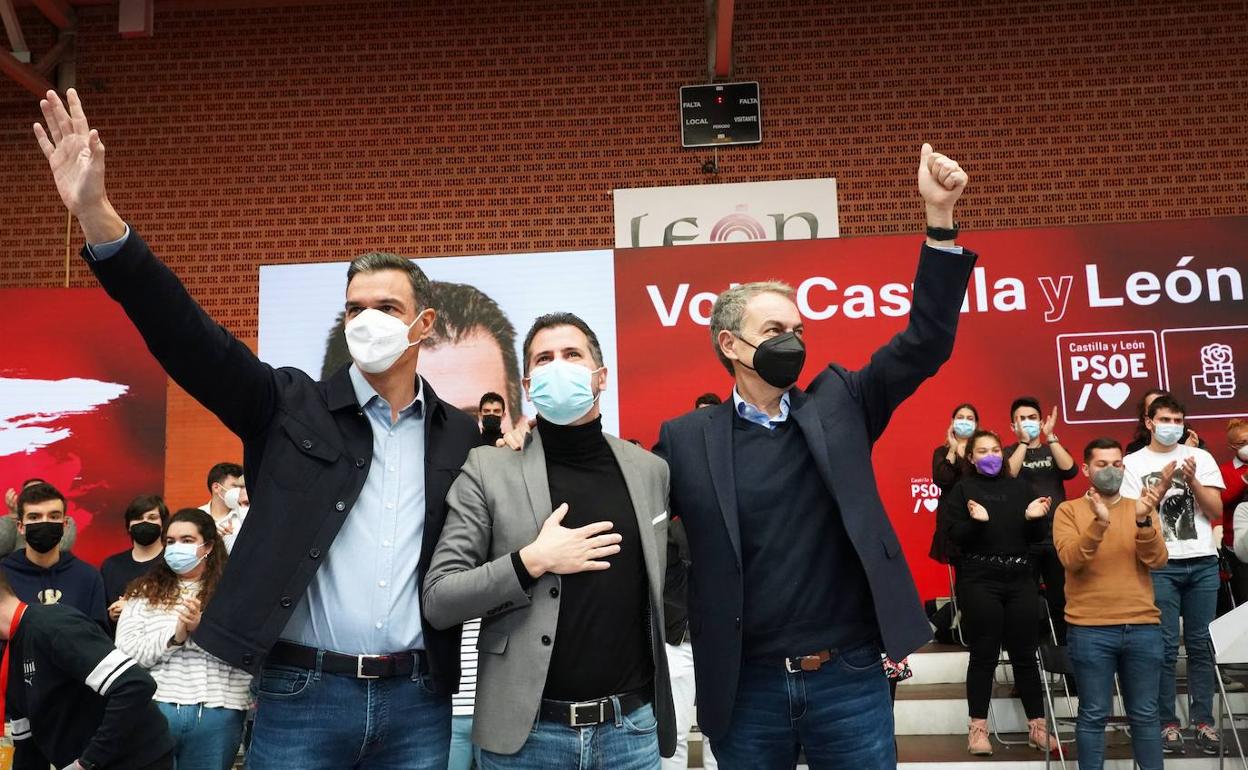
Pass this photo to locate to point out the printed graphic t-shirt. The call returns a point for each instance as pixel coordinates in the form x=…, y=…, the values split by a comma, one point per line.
x=1187, y=532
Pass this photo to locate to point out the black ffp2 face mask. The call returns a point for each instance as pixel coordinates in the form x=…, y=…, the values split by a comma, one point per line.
x=145, y=532
x=491, y=423
x=778, y=360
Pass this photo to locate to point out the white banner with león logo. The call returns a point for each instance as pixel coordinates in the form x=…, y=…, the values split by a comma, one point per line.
x=786, y=210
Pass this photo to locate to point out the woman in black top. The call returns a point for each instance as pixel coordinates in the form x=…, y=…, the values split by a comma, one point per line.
x=993, y=519
x=947, y=467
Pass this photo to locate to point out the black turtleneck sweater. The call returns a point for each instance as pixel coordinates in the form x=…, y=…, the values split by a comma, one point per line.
x=601, y=644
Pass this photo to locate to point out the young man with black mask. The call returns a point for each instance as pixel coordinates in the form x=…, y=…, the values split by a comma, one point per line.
x=41, y=573
x=492, y=409
x=145, y=518
x=72, y=697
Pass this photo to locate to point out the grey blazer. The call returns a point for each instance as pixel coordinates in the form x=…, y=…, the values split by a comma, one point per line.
x=496, y=507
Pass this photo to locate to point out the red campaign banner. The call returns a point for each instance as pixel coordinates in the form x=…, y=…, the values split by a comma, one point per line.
x=1084, y=318
x=82, y=406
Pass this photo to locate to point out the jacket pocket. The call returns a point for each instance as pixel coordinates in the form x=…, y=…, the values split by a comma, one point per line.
x=492, y=642
x=297, y=457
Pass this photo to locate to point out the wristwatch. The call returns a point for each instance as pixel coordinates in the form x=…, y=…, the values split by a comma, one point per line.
x=943, y=233
x=1148, y=522
x=1052, y=439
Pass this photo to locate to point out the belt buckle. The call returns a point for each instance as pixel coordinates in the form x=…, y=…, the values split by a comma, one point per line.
x=574, y=713
x=359, y=667
x=801, y=661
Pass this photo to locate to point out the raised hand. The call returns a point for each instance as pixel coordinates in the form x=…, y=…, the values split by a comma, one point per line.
x=1193, y=439
x=76, y=156
x=951, y=439
x=1098, y=506
x=10, y=500
x=189, y=612
x=566, y=551
x=1150, y=496
x=514, y=438
x=977, y=511
x=1049, y=423
x=1188, y=469
x=1038, y=508
x=941, y=182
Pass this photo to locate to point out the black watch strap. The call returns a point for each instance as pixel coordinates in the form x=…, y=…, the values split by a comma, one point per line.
x=943, y=233
x=1146, y=523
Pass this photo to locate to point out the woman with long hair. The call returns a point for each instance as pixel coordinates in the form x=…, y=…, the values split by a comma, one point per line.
x=994, y=521
x=203, y=698
x=948, y=465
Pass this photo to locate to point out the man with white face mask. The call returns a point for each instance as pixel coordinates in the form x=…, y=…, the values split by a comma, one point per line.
x=572, y=660
x=320, y=599
x=228, y=505
x=1188, y=584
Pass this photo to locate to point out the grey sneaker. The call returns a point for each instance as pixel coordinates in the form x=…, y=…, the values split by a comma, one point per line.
x=1208, y=740
x=1171, y=740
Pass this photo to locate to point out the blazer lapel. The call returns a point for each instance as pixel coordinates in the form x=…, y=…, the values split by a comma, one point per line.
x=802, y=410
x=718, y=435
x=643, y=508
x=533, y=463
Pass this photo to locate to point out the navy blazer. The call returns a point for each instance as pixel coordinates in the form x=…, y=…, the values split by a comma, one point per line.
x=841, y=414
x=307, y=448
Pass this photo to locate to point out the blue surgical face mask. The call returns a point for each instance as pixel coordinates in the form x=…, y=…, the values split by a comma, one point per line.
x=562, y=391
x=963, y=428
x=1167, y=434
x=1031, y=428
x=182, y=557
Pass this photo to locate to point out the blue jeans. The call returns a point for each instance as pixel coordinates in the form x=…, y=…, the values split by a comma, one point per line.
x=317, y=721
x=1187, y=588
x=629, y=743
x=203, y=738
x=841, y=715
x=1134, y=652
x=461, y=743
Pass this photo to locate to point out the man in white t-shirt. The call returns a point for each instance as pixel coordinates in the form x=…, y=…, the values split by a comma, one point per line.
x=1189, y=511
x=229, y=503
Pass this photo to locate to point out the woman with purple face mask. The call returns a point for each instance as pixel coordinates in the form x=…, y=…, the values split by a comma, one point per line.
x=994, y=519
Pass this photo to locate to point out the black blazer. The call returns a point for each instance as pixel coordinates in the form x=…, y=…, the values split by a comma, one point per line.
x=307, y=448
x=841, y=414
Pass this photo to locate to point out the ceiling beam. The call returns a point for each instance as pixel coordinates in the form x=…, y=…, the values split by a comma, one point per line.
x=17, y=41
x=58, y=12
x=719, y=37
x=24, y=75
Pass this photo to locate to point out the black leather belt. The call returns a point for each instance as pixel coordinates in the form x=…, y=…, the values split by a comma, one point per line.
x=591, y=712
x=358, y=666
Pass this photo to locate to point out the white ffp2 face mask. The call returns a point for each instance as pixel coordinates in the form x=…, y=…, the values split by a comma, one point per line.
x=376, y=340
x=231, y=498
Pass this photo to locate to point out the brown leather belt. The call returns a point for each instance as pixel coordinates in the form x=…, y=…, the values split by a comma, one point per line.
x=807, y=662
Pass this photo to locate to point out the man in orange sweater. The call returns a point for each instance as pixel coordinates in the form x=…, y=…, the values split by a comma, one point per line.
x=1108, y=544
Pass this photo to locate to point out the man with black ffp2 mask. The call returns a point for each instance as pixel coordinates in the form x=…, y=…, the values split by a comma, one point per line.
x=491, y=410
x=43, y=574
x=797, y=582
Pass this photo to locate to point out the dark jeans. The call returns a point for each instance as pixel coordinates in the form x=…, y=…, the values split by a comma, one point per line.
x=841, y=715
x=316, y=721
x=1133, y=652
x=1187, y=588
x=631, y=742
x=1048, y=570
x=999, y=609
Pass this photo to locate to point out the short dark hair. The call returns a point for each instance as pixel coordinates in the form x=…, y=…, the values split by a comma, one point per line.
x=491, y=398
x=29, y=482
x=462, y=310
x=35, y=494
x=552, y=320
x=378, y=261
x=1022, y=401
x=1099, y=443
x=707, y=399
x=144, y=503
x=1167, y=402
x=974, y=411
x=218, y=473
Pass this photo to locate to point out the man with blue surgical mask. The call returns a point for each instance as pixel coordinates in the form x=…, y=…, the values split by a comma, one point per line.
x=1040, y=459
x=560, y=548
x=1188, y=585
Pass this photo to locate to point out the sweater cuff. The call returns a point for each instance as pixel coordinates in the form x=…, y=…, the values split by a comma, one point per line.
x=522, y=572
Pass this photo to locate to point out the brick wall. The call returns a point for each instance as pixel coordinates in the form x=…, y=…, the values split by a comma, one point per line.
x=239, y=136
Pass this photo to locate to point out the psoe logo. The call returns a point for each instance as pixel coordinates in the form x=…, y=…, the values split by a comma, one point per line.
x=925, y=494
x=739, y=225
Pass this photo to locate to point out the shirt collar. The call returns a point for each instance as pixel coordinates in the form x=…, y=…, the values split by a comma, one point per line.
x=1236, y=462
x=748, y=411
x=365, y=393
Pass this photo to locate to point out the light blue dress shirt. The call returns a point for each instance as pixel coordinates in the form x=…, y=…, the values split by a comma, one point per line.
x=365, y=598
x=748, y=411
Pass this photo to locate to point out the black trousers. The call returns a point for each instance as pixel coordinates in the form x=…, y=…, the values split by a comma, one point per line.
x=999, y=609
x=1050, y=573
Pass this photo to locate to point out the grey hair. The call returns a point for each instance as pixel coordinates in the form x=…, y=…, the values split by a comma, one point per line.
x=730, y=309
x=377, y=261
